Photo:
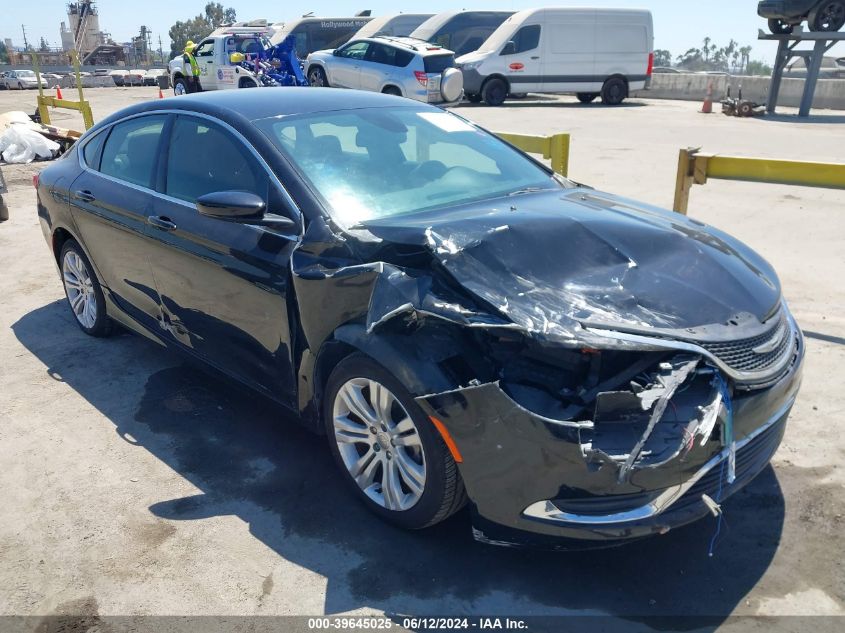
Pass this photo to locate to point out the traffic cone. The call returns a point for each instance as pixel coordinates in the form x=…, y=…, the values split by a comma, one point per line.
x=707, y=106
x=160, y=93
x=58, y=92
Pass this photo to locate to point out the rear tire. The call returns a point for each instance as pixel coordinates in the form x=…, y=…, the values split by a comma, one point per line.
x=827, y=17
x=779, y=27
x=587, y=97
x=494, y=92
x=83, y=291
x=392, y=90
x=614, y=91
x=389, y=439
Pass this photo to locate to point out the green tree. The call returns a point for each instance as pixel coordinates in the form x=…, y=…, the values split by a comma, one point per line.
x=199, y=27
x=757, y=68
x=44, y=45
x=745, y=56
x=662, y=57
x=4, y=54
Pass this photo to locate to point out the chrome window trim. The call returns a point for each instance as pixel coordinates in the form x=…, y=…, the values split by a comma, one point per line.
x=273, y=177
x=748, y=378
x=547, y=511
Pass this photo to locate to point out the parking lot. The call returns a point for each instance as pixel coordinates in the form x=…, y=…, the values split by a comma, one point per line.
x=135, y=484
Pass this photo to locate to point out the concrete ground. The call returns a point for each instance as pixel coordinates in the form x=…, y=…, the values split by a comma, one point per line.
x=133, y=484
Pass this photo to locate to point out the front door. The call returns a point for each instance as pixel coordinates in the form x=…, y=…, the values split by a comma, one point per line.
x=204, y=54
x=110, y=202
x=522, y=60
x=345, y=69
x=223, y=285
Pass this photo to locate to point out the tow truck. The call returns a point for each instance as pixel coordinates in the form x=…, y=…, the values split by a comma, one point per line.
x=240, y=56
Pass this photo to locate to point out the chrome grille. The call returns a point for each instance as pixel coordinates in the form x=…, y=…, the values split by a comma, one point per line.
x=771, y=347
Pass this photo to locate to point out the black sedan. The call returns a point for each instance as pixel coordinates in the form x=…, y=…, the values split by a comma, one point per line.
x=460, y=322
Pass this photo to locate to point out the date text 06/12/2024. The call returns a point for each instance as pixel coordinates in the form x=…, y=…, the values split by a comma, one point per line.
x=417, y=623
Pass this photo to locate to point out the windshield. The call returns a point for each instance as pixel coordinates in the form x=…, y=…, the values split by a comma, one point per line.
x=26, y=73
x=384, y=162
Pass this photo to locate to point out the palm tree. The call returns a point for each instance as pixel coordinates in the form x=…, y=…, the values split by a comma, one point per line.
x=706, y=48
x=745, y=53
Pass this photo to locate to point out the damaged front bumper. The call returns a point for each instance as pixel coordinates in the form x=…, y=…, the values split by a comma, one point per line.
x=537, y=481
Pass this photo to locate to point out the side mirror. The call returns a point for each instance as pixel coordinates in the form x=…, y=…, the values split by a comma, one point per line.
x=231, y=205
x=242, y=207
x=336, y=52
x=509, y=49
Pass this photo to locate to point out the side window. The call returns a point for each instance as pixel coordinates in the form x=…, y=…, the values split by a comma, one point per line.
x=206, y=49
x=381, y=54
x=403, y=58
x=131, y=150
x=93, y=149
x=356, y=50
x=203, y=158
x=526, y=39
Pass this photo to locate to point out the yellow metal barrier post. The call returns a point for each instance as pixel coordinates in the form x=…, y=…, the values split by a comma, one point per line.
x=554, y=148
x=695, y=169
x=81, y=106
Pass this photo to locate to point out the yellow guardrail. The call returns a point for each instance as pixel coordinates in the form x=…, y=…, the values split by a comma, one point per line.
x=554, y=148
x=695, y=168
x=44, y=102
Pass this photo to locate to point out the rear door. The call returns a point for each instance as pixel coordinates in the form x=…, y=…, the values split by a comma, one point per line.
x=568, y=52
x=378, y=67
x=345, y=66
x=110, y=202
x=223, y=285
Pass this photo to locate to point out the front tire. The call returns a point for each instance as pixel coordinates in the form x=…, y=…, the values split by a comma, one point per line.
x=83, y=291
x=180, y=87
x=317, y=78
x=387, y=449
x=494, y=92
x=614, y=91
x=828, y=17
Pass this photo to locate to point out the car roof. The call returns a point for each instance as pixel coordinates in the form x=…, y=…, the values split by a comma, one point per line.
x=264, y=103
x=410, y=43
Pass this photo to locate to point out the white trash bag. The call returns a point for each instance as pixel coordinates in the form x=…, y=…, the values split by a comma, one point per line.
x=19, y=144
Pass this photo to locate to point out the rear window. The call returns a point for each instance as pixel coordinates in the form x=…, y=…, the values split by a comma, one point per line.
x=438, y=63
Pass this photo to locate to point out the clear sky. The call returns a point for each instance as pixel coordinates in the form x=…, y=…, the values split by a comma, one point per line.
x=679, y=24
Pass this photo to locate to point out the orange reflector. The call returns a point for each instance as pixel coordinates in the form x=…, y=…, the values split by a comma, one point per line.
x=450, y=443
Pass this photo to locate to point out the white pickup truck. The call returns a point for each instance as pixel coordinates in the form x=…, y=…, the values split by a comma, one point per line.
x=213, y=53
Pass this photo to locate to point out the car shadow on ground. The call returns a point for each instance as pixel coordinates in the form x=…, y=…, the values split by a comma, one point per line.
x=532, y=102
x=813, y=118
x=250, y=461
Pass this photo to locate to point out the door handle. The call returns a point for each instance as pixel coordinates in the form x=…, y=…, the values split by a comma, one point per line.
x=85, y=196
x=161, y=222
x=536, y=57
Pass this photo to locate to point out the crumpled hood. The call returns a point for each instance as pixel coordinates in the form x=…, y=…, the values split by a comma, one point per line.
x=554, y=262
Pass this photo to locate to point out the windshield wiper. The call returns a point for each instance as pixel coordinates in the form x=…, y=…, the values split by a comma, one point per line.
x=519, y=192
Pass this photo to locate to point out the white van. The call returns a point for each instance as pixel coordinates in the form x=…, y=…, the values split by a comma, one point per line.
x=392, y=25
x=460, y=31
x=591, y=52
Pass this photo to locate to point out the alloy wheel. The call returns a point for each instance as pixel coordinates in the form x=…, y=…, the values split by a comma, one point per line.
x=379, y=444
x=80, y=289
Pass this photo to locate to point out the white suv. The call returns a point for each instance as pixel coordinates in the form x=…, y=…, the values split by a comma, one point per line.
x=402, y=66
